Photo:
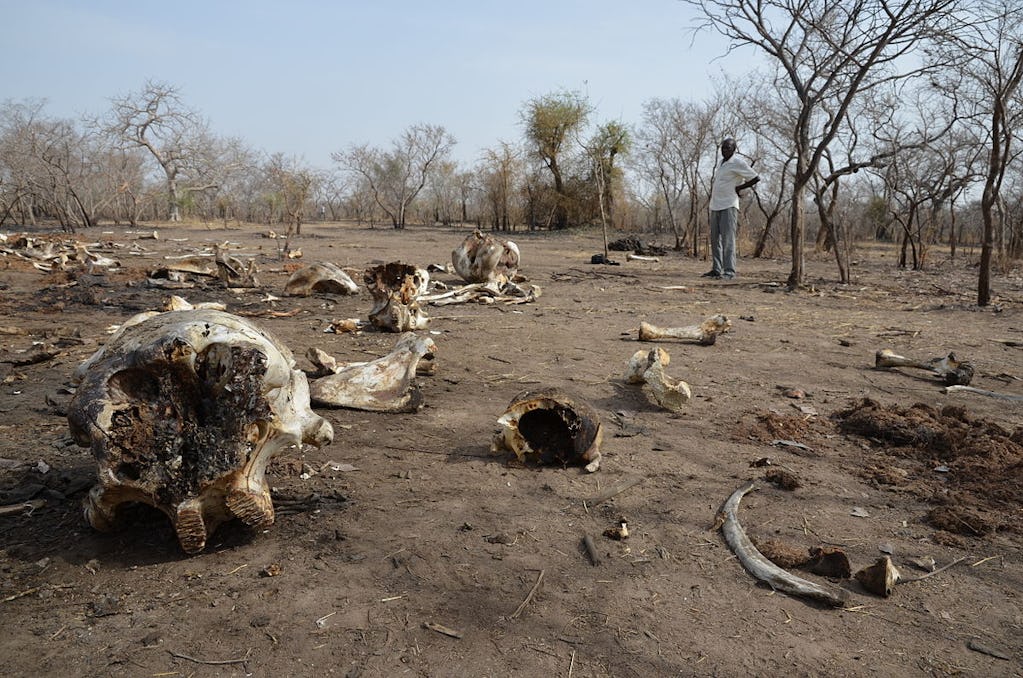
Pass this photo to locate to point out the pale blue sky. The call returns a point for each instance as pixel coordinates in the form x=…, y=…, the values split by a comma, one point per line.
x=307, y=78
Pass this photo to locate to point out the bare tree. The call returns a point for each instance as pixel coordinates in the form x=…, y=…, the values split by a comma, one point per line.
x=989, y=52
x=156, y=119
x=828, y=53
x=500, y=170
x=671, y=149
x=396, y=177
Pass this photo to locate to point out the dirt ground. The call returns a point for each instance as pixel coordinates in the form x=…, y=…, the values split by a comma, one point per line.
x=374, y=570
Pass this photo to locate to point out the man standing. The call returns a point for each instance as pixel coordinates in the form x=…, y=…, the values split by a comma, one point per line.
x=731, y=177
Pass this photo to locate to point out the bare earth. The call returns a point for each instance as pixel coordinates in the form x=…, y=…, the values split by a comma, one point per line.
x=416, y=561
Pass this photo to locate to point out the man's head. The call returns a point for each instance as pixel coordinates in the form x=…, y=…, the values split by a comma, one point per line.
x=728, y=148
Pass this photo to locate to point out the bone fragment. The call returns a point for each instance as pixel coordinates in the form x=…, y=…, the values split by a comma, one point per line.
x=320, y=278
x=396, y=288
x=879, y=578
x=979, y=391
x=382, y=385
x=762, y=568
x=639, y=257
x=951, y=371
x=176, y=303
x=183, y=411
x=705, y=334
x=648, y=367
x=485, y=257
x=552, y=427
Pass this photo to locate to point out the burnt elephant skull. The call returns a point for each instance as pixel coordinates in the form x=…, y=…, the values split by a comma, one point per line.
x=183, y=411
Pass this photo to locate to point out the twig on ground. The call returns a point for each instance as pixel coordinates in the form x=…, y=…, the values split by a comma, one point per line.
x=22, y=507
x=615, y=490
x=591, y=549
x=906, y=580
x=529, y=597
x=211, y=662
x=444, y=630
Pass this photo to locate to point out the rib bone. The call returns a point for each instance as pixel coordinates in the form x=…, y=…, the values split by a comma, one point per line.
x=951, y=371
x=705, y=334
x=762, y=568
x=648, y=367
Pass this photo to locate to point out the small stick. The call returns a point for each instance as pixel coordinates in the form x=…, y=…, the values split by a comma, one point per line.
x=571, y=664
x=529, y=596
x=931, y=574
x=23, y=507
x=983, y=392
x=983, y=560
x=615, y=490
x=220, y=662
x=591, y=549
x=24, y=593
x=444, y=630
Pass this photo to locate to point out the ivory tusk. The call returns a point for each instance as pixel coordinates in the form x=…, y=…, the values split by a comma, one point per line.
x=762, y=568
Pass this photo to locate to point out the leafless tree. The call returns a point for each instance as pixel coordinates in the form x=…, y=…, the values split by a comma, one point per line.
x=500, y=169
x=396, y=177
x=829, y=53
x=672, y=145
x=988, y=51
x=157, y=120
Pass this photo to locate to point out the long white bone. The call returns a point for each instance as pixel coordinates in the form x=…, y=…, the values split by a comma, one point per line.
x=706, y=333
x=950, y=370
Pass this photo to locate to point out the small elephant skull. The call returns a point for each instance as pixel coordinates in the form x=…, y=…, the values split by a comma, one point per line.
x=183, y=411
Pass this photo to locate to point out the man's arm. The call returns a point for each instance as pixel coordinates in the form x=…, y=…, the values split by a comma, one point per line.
x=751, y=182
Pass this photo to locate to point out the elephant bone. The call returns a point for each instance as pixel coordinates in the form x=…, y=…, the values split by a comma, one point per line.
x=183, y=411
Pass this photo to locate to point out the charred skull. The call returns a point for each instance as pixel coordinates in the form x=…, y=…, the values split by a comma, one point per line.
x=183, y=411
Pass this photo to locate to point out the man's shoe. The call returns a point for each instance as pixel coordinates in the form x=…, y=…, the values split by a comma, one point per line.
x=711, y=274
x=728, y=276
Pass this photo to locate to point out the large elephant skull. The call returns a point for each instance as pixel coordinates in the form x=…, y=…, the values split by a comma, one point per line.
x=183, y=411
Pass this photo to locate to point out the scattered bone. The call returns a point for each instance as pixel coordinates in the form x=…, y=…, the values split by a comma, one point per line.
x=233, y=271
x=176, y=303
x=396, y=288
x=321, y=278
x=950, y=370
x=485, y=258
x=345, y=326
x=762, y=568
x=648, y=367
x=879, y=578
x=979, y=391
x=386, y=384
x=183, y=411
x=620, y=532
x=639, y=257
x=552, y=427
x=485, y=293
x=705, y=334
